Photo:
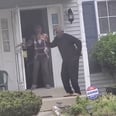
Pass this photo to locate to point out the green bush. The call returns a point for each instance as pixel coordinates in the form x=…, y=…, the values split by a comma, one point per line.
x=19, y=103
x=78, y=109
x=105, y=51
x=103, y=106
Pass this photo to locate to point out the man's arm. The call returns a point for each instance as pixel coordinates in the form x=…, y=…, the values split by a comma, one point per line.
x=53, y=43
x=78, y=44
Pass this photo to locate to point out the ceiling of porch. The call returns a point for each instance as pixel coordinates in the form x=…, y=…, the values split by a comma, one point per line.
x=22, y=3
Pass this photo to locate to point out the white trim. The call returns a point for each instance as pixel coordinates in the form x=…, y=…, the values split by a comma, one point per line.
x=56, y=57
x=109, y=29
x=97, y=19
x=38, y=7
x=84, y=47
x=14, y=41
x=102, y=0
x=114, y=16
x=94, y=0
x=21, y=78
x=57, y=82
x=62, y=15
x=20, y=34
x=86, y=0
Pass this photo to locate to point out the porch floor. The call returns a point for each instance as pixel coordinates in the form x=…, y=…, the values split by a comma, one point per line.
x=51, y=92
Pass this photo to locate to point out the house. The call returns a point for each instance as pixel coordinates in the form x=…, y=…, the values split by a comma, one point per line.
x=99, y=19
x=17, y=18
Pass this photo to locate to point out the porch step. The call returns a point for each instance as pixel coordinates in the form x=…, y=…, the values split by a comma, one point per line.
x=53, y=92
x=47, y=113
x=48, y=103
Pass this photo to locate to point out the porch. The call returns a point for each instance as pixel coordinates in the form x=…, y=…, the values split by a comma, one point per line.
x=10, y=14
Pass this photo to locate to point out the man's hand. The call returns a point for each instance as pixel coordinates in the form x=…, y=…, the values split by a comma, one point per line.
x=46, y=52
x=44, y=37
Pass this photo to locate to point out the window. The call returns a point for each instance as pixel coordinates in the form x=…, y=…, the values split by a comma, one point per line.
x=107, y=16
x=5, y=35
x=55, y=22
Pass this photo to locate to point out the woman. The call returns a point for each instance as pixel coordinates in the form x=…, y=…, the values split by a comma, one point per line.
x=41, y=56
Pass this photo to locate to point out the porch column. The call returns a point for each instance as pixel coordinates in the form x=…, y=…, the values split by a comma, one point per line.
x=84, y=47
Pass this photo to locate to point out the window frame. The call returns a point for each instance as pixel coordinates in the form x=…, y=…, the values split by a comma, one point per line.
x=5, y=41
x=98, y=17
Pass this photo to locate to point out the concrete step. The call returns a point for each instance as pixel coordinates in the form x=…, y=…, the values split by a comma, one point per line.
x=47, y=113
x=48, y=103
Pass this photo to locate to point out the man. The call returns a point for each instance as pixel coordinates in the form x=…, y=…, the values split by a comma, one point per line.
x=70, y=49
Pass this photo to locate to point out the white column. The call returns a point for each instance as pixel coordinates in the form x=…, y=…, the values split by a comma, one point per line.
x=84, y=47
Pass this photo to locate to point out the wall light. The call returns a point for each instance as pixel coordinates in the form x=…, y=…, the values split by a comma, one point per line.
x=70, y=15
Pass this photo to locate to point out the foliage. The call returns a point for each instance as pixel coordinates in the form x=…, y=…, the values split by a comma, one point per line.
x=103, y=106
x=105, y=51
x=106, y=105
x=19, y=103
x=78, y=109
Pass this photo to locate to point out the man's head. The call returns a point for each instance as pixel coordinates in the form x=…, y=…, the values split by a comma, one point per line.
x=59, y=31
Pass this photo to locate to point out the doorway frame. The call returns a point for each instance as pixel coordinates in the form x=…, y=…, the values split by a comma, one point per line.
x=49, y=26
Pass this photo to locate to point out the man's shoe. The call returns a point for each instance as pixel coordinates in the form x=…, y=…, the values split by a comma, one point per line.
x=68, y=95
x=76, y=94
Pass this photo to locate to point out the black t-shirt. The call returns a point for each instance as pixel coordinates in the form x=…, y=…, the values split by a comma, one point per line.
x=69, y=46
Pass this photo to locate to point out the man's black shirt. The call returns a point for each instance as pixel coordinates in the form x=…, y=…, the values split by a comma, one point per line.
x=69, y=46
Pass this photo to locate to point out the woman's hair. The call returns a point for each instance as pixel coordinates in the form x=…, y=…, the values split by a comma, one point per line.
x=37, y=26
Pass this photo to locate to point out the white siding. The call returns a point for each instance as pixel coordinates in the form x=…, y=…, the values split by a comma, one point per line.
x=102, y=80
x=74, y=29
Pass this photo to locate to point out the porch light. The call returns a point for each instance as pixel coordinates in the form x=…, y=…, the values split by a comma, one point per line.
x=70, y=15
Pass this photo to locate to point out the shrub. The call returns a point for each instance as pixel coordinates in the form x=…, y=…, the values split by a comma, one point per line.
x=105, y=52
x=78, y=109
x=103, y=106
x=19, y=103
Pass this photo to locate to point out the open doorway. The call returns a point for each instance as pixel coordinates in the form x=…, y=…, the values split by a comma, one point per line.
x=30, y=18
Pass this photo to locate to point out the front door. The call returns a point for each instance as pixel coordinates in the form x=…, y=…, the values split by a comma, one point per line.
x=55, y=19
x=21, y=80
x=7, y=53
